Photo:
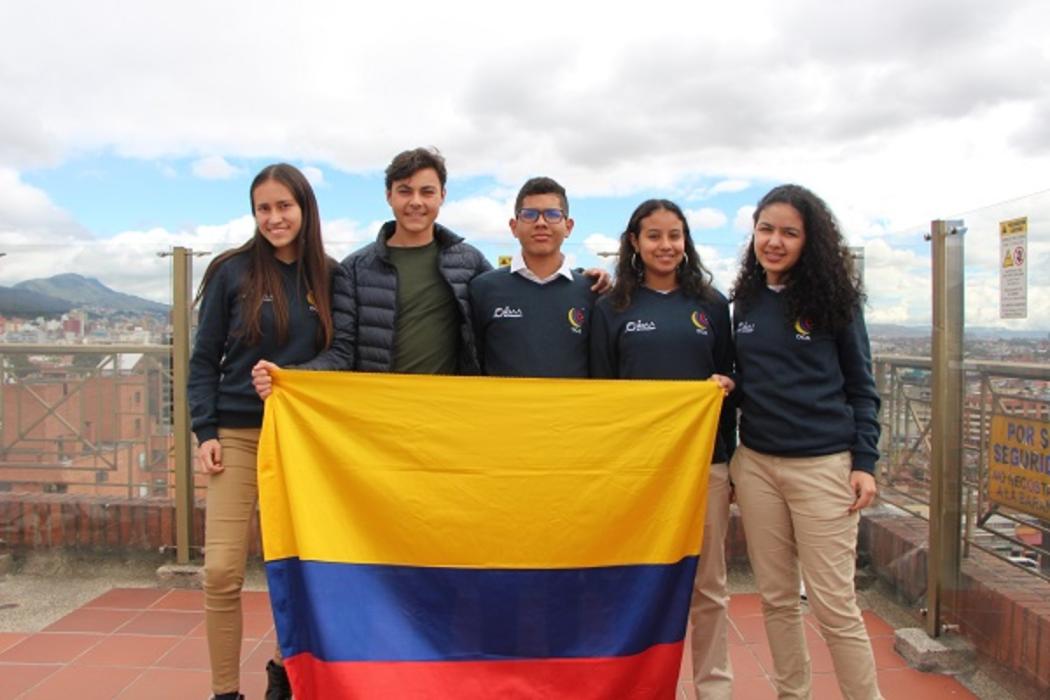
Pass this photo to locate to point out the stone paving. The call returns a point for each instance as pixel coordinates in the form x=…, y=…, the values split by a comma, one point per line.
x=149, y=642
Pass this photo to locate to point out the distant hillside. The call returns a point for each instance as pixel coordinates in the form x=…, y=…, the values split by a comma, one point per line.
x=86, y=292
x=889, y=330
x=26, y=303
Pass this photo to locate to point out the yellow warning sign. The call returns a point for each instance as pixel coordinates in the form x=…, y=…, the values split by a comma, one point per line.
x=1019, y=464
x=1011, y=227
x=1013, y=273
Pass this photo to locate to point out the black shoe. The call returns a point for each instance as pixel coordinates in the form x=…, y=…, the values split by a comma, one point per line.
x=277, y=685
x=228, y=696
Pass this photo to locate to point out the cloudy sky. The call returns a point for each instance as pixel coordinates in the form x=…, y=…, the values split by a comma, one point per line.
x=128, y=127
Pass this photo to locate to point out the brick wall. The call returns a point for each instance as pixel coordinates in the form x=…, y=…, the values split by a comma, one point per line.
x=43, y=521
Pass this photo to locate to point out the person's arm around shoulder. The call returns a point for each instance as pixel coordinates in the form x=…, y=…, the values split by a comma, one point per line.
x=602, y=279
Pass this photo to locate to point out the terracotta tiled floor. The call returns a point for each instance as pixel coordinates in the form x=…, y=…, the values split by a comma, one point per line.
x=149, y=643
x=752, y=661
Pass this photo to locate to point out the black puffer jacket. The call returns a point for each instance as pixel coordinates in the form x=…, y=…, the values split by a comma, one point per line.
x=373, y=288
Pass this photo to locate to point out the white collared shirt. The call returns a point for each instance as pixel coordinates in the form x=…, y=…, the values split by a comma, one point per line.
x=517, y=264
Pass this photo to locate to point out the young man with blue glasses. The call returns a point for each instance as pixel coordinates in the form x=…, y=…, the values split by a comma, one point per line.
x=532, y=319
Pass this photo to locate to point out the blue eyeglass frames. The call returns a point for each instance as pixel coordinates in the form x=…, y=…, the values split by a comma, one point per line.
x=551, y=216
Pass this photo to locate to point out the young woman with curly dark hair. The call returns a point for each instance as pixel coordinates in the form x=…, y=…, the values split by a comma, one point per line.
x=808, y=431
x=664, y=320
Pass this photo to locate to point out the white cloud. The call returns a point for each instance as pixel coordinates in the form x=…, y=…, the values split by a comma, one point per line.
x=860, y=118
x=214, y=168
x=314, y=175
x=720, y=187
x=600, y=243
x=343, y=236
x=27, y=210
x=729, y=186
x=705, y=217
x=744, y=220
x=480, y=219
x=723, y=267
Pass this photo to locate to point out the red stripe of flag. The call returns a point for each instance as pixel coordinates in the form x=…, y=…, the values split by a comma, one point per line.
x=650, y=674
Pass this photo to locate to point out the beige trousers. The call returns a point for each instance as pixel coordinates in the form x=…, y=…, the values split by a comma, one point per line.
x=232, y=494
x=709, y=607
x=795, y=513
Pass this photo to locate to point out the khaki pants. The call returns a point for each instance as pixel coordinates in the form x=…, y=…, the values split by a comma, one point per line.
x=795, y=516
x=232, y=495
x=709, y=607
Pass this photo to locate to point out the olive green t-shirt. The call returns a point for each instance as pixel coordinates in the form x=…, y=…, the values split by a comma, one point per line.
x=427, y=329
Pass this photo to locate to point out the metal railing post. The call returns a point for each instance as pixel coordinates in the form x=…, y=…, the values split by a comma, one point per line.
x=946, y=436
x=881, y=381
x=182, y=262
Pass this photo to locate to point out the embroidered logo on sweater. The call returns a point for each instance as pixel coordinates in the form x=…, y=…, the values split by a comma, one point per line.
x=507, y=312
x=700, y=320
x=803, y=329
x=577, y=318
x=745, y=327
x=639, y=326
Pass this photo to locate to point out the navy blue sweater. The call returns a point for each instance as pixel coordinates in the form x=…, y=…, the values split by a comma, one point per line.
x=526, y=329
x=220, y=384
x=804, y=391
x=667, y=336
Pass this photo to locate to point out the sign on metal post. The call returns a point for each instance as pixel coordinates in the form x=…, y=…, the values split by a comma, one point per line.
x=1013, y=268
x=1019, y=464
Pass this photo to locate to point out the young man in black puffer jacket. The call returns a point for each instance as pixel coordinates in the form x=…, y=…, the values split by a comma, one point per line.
x=409, y=289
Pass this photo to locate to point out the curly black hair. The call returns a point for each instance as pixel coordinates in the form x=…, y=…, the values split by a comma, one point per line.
x=822, y=286
x=693, y=278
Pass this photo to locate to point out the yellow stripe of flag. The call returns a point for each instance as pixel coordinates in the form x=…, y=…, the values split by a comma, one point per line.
x=482, y=472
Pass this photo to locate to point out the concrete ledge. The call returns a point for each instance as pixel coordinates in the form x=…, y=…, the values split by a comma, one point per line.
x=181, y=575
x=949, y=654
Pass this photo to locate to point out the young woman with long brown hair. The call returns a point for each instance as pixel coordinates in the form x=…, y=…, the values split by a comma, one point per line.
x=271, y=298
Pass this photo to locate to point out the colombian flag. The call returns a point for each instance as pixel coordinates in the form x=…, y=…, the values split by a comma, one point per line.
x=473, y=537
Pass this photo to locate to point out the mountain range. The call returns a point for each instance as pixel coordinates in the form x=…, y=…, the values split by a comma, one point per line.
x=53, y=296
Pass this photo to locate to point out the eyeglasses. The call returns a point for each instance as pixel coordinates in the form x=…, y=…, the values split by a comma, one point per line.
x=551, y=216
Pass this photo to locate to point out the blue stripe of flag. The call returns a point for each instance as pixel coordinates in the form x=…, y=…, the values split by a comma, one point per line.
x=363, y=612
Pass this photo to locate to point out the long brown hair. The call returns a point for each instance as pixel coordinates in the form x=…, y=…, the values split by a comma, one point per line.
x=693, y=278
x=264, y=276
